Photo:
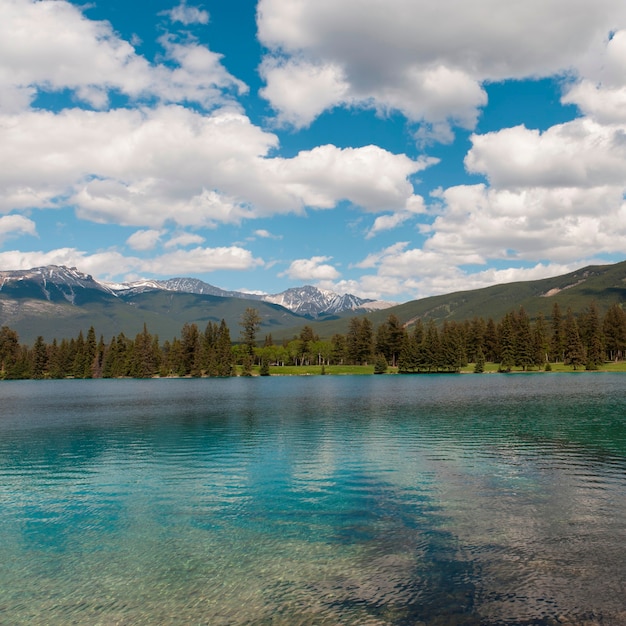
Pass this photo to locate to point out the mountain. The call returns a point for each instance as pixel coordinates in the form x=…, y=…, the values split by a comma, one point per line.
x=54, y=283
x=308, y=300
x=58, y=302
x=604, y=284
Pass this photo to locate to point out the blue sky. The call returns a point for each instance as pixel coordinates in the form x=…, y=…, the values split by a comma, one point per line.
x=394, y=149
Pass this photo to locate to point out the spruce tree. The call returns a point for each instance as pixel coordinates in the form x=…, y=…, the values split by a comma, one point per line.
x=574, y=349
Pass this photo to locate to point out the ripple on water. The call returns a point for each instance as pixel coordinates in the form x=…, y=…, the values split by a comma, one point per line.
x=360, y=501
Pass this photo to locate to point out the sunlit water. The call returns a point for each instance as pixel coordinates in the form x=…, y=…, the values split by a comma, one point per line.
x=320, y=501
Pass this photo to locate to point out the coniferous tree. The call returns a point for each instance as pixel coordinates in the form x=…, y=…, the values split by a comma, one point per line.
x=54, y=361
x=250, y=324
x=452, y=347
x=507, y=343
x=380, y=364
x=592, y=337
x=338, y=354
x=540, y=341
x=9, y=351
x=574, y=350
x=492, y=343
x=476, y=330
x=614, y=327
x=390, y=336
x=524, y=343
x=224, y=354
x=40, y=358
x=431, y=348
x=557, y=343
x=190, y=345
x=79, y=362
x=479, y=366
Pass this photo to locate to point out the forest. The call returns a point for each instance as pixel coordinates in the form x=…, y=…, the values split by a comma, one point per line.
x=584, y=340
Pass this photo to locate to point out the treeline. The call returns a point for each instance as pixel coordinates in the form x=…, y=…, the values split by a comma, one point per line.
x=583, y=340
x=194, y=353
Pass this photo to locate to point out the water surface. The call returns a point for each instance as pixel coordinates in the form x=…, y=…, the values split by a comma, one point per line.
x=321, y=501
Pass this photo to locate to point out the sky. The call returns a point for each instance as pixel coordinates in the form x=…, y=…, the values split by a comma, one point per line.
x=392, y=149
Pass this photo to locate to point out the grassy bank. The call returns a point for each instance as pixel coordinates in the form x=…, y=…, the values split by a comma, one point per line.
x=490, y=368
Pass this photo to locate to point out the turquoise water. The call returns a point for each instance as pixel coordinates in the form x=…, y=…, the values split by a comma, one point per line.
x=314, y=501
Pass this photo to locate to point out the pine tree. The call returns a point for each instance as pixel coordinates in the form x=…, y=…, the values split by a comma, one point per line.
x=507, y=343
x=491, y=344
x=40, y=358
x=557, y=343
x=524, y=343
x=224, y=354
x=540, y=341
x=250, y=324
x=476, y=330
x=9, y=351
x=592, y=337
x=614, y=327
x=479, y=366
x=574, y=349
x=190, y=345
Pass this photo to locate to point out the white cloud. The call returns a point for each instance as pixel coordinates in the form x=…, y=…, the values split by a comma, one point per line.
x=187, y=15
x=415, y=205
x=563, y=224
x=170, y=164
x=184, y=239
x=144, y=239
x=110, y=263
x=426, y=60
x=16, y=225
x=399, y=269
x=38, y=51
x=580, y=153
x=311, y=269
x=320, y=87
x=601, y=91
x=369, y=177
x=388, y=222
x=265, y=234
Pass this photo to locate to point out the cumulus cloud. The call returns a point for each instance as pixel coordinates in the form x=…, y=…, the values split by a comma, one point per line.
x=580, y=153
x=426, y=60
x=481, y=224
x=146, y=167
x=144, y=239
x=600, y=91
x=15, y=226
x=315, y=268
x=414, y=206
x=426, y=272
x=38, y=52
x=111, y=263
x=187, y=15
x=181, y=240
x=320, y=87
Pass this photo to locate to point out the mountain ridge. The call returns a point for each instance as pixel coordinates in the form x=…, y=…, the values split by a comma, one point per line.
x=306, y=300
x=57, y=302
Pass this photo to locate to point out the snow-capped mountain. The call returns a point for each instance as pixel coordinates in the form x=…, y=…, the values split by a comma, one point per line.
x=59, y=283
x=53, y=282
x=183, y=285
x=307, y=300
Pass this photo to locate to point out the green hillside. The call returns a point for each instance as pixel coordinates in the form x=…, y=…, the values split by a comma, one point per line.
x=606, y=284
x=26, y=310
x=163, y=312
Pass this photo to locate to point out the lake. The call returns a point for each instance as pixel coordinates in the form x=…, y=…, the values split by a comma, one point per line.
x=352, y=500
